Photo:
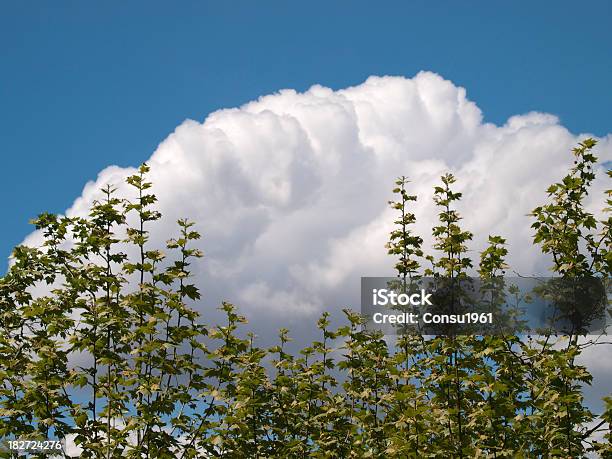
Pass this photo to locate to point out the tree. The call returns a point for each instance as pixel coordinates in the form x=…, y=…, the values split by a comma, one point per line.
x=116, y=356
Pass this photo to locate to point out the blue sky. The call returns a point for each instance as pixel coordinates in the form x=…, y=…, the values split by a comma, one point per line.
x=84, y=85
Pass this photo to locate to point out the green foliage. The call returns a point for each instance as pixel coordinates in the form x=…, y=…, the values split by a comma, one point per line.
x=402, y=243
x=563, y=226
x=117, y=357
x=448, y=236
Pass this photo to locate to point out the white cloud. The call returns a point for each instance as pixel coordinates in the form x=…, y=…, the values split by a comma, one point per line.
x=290, y=191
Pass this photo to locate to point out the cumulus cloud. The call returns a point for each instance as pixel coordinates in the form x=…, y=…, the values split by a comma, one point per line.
x=290, y=191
